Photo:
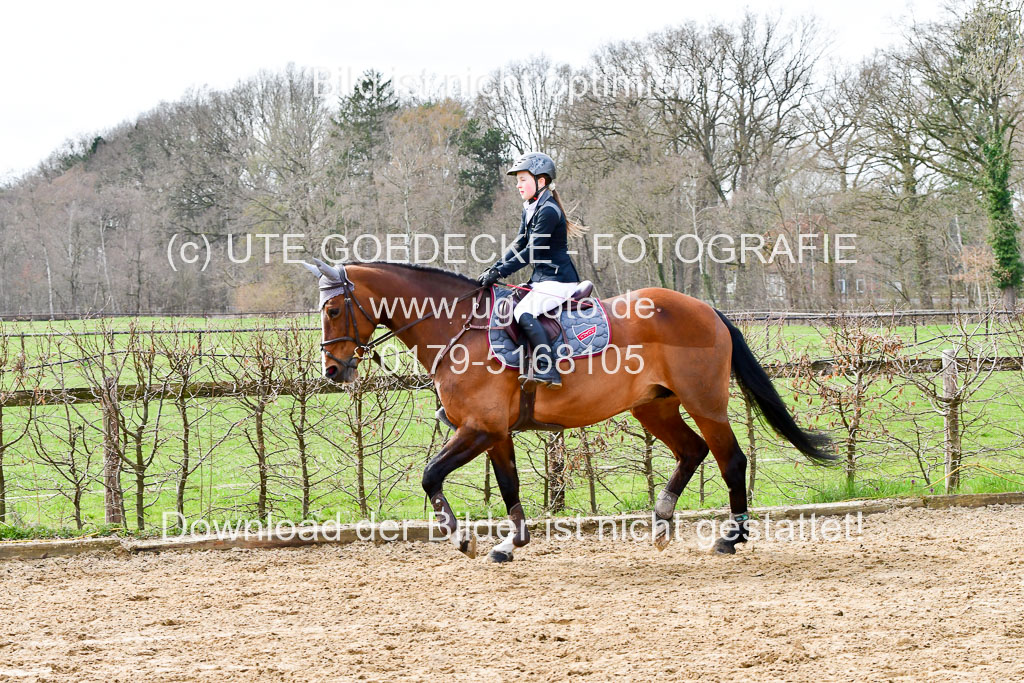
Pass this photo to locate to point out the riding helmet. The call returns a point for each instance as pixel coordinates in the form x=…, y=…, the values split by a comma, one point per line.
x=537, y=163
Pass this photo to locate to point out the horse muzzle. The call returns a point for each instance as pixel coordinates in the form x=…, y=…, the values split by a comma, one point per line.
x=340, y=371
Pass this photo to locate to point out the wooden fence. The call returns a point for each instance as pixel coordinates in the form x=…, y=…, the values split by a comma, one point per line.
x=953, y=373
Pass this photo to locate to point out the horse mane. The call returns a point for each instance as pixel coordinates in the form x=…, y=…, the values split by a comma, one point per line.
x=463, y=279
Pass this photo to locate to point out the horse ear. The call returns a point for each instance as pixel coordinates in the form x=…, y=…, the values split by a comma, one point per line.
x=331, y=272
x=311, y=268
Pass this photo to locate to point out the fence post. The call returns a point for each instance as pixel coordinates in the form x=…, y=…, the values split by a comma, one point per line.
x=649, y=465
x=555, y=456
x=752, y=451
x=591, y=479
x=700, y=487
x=3, y=481
x=951, y=420
x=112, y=494
x=487, y=483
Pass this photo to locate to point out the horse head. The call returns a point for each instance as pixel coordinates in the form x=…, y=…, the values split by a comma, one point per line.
x=346, y=324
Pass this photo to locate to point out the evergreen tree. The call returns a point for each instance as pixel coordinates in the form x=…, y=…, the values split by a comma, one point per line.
x=485, y=152
x=361, y=118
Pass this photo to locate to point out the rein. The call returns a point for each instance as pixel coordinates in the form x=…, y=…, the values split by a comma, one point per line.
x=362, y=348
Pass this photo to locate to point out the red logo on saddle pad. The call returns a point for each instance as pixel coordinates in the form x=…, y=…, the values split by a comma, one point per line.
x=589, y=332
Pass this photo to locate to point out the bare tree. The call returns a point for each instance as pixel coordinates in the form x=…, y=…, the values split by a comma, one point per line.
x=526, y=100
x=968, y=67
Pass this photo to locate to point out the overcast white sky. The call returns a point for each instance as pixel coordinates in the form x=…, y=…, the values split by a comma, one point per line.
x=81, y=67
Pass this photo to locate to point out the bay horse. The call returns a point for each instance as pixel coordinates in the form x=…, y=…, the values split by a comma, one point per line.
x=687, y=352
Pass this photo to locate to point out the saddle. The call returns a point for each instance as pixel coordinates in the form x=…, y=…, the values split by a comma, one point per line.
x=551, y=324
x=578, y=327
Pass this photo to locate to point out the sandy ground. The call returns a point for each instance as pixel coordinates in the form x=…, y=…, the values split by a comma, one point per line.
x=919, y=594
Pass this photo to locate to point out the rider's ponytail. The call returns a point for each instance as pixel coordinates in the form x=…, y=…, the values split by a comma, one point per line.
x=573, y=229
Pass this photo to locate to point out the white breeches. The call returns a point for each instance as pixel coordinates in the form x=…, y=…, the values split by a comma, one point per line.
x=544, y=297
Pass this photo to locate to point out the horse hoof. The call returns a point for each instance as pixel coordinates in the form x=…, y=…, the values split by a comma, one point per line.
x=499, y=556
x=723, y=547
x=468, y=546
x=662, y=540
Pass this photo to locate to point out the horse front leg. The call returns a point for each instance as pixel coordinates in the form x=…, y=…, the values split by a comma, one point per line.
x=466, y=444
x=503, y=458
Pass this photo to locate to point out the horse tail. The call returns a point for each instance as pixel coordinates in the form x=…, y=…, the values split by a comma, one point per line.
x=760, y=392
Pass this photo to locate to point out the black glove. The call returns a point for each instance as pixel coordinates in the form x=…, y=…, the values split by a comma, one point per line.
x=489, y=277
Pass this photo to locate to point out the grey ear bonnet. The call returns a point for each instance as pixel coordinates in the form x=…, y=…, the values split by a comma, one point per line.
x=333, y=280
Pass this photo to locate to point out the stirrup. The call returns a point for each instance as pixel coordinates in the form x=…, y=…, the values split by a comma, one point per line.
x=531, y=383
x=530, y=380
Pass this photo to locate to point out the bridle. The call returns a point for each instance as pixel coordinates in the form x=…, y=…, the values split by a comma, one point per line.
x=351, y=303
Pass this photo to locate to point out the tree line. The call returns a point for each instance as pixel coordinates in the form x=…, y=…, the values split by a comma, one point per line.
x=748, y=128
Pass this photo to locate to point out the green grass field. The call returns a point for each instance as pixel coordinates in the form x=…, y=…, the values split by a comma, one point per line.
x=899, y=449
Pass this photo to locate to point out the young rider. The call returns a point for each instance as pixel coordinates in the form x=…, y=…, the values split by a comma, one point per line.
x=541, y=241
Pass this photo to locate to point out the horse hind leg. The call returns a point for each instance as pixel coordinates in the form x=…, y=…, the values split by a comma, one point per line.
x=662, y=419
x=733, y=465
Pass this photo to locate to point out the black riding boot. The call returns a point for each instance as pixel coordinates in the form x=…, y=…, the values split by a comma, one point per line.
x=545, y=369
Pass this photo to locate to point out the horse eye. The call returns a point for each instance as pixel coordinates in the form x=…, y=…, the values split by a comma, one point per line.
x=333, y=312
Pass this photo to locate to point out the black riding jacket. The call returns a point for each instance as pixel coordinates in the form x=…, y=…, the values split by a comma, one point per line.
x=543, y=241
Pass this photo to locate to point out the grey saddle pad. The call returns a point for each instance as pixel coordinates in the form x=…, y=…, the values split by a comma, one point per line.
x=585, y=331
